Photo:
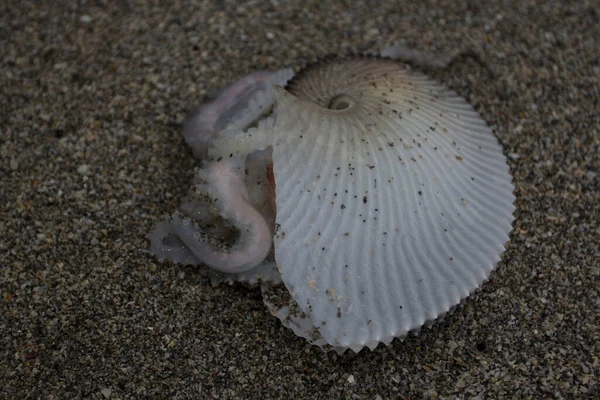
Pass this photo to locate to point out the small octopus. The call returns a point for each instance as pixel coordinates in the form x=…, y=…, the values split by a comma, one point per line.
x=377, y=196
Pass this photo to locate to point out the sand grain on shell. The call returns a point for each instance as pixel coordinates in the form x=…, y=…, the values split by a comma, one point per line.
x=92, y=96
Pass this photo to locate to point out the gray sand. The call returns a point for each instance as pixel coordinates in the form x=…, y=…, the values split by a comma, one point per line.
x=92, y=96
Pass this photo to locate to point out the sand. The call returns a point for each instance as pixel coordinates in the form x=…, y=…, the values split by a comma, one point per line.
x=92, y=97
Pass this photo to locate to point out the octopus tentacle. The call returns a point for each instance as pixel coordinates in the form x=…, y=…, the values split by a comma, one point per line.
x=226, y=178
x=425, y=59
x=221, y=125
x=177, y=239
x=422, y=58
x=236, y=107
x=198, y=205
x=166, y=246
x=228, y=143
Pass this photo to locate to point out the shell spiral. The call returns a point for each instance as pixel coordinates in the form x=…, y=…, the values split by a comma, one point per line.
x=394, y=200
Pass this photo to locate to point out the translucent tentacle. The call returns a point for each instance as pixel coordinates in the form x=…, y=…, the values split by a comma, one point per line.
x=166, y=246
x=236, y=107
x=405, y=54
x=426, y=59
x=229, y=143
x=226, y=182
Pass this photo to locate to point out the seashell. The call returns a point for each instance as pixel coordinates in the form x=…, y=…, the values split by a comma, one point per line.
x=393, y=201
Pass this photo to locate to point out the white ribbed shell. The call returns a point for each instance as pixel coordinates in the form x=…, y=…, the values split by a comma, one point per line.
x=389, y=212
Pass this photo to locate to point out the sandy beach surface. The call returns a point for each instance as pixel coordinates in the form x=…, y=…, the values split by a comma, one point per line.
x=92, y=99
